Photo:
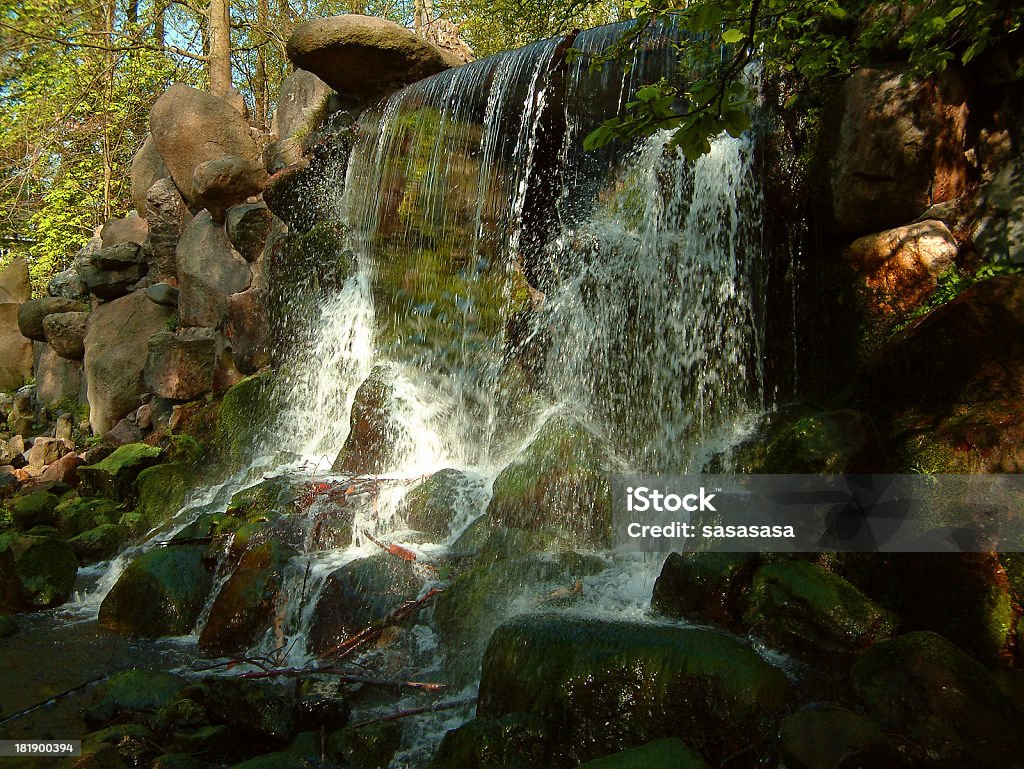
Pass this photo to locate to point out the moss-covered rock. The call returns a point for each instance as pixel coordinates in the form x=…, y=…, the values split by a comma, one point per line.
x=513, y=741
x=800, y=605
x=359, y=594
x=160, y=593
x=37, y=570
x=133, y=693
x=263, y=709
x=101, y=543
x=77, y=514
x=831, y=737
x=602, y=687
x=33, y=509
x=432, y=506
x=374, y=437
x=705, y=586
x=806, y=439
x=560, y=481
x=244, y=608
x=941, y=703
x=113, y=477
x=8, y=626
x=669, y=753
x=246, y=412
x=162, y=491
x=369, y=747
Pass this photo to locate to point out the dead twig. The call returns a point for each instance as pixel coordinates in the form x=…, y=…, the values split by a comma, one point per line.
x=436, y=708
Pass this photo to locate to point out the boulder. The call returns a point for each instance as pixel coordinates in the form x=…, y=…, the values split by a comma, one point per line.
x=112, y=272
x=436, y=503
x=365, y=56
x=999, y=233
x=114, y=476
x=708, y=587
x=37, y=571
x=301, y=105
x=167, y=215
x=247, y=227
x=160, y=593
x=366, y=747
x=133, y=693
x=602, y=687
x=260, y=709
x=32, y=313
x=163, y=294
x=46, y=451
x=59, y=380
x=799, y=605
x=514, y=741
x=358, y=595
x=939, y=701
x=69, y=285
x=15, y=350
x=147, y=169
x=209, y=271
x=179, y=365
x=65, y=333
x=247, y=330
x=219, y=184
x=948, y=388
x=244, y=607
x=190, y=127
x=900, y=148
x=560, y=481
x=15, y=286
x=897, y=270
x=36, y=508
x=375, y=436
x=830, y=737
x=100, y=543
x=116, y=345
x=132, y=229
x=64, y=470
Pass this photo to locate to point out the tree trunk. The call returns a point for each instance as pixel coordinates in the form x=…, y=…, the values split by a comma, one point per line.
x=260, y=86
x=219, y=63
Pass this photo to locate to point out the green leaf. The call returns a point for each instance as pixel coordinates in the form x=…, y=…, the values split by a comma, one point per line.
x=731, y=36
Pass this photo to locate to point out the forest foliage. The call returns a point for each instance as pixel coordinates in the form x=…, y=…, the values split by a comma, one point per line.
x=77, y=78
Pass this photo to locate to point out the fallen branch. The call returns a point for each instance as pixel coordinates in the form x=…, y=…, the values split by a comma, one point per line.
x=54, y=698
x=347, y=678
x=373, y=632
x=450, y=705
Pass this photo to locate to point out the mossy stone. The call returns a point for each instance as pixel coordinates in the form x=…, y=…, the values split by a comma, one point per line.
x=830, y=737
x=36, y=571
x=133, y=693
x=279, y=760
x=513, y=741
x=34, y=509
x=668, y=753
x=246, y=412
x=162, y=491
x=560, y=480
x=705, y=586
x=114, y=476
x=802, y=606
x=601, y=687
x=160, y=593
x=99, y=544
x=77, y=514
x=435, y=503
x=368, y=747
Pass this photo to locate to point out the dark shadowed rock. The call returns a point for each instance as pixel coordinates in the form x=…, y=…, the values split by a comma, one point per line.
x=219, y=184
x=31, y=314
x=705, y=586
x=190, y=127
x=37, y=571
x=160, y=593
x=365, y=56
x=831, y=737
x=111, y=272
x=132, y=229
x=116, y=345
x=167, y=215
x=15, y=286
x=57, y=379
x=209, y=271
x=147, y=168
x=180, y=365
x=247, y=228
x=900, y=149
x=65, y=332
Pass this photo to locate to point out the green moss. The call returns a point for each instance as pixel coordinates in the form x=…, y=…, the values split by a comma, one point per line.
x=76, y=514
x=37, y=570
x=514, y=741
x=34, y=509
x=162, y=491
x=100, y=543
x=370, y=747
x=669, y=753
x=114, y=476
x=246, y=412
x=133, y=692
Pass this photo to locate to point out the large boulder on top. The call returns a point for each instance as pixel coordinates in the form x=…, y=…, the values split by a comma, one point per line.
x=900, y=148
x=365, y=56
x=147, y=168
x=116, y=344
x=190, y=127
x=14, y=282
x=32, y=313
x=209, y=271
x=131, y=229
x=65, y=331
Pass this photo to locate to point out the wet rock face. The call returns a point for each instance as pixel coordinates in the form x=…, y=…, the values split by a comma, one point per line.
x=606, y=686
x=365, y=56
x=160, y=594
x=705, y=586
x=374, y=434
x=939, y=701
